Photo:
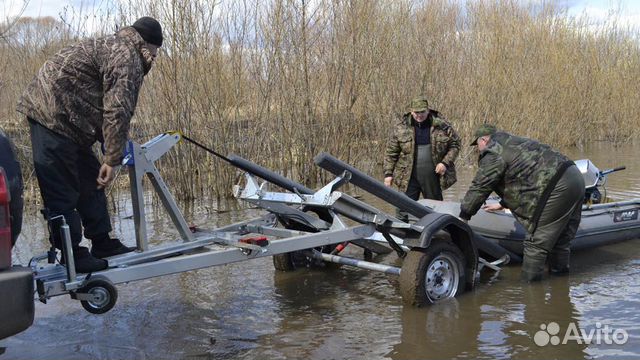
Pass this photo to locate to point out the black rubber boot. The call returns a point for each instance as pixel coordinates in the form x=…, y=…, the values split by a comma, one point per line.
x=559, y=263
x=85, y=263
x=106, y=248
x=527, y=276
x=532, y=264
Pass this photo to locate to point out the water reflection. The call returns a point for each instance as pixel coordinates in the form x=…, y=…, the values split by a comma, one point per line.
x=499, y=325
x=427, y=332
x=548, y=311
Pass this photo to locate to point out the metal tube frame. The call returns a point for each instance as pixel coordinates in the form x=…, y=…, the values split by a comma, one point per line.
x=206, y=248
x=326, y=197
x=220, y=246
x=51, y=283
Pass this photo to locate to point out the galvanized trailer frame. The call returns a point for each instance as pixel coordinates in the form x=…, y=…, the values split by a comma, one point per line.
x=199, y=248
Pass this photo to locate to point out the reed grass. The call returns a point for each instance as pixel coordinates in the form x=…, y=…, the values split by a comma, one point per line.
x=278, y=82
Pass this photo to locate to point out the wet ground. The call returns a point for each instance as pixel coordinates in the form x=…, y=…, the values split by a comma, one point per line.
x=249, y=311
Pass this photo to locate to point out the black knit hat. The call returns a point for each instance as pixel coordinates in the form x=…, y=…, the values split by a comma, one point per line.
x=150, y=30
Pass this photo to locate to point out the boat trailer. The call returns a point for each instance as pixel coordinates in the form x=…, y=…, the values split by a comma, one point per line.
x=301, y=226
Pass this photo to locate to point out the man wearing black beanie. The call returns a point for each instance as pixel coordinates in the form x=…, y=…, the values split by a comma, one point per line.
x=87, y=92
x=150, y=30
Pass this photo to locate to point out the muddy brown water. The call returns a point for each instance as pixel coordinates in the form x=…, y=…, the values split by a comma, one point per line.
x=249, y=311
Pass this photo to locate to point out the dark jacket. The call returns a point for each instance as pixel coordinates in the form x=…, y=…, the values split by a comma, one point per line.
x=523, y=172
x=88, y=91
x=445, y=146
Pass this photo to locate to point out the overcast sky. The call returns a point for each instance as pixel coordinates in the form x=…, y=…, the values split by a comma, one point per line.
x=595, y=9
x=629, y=10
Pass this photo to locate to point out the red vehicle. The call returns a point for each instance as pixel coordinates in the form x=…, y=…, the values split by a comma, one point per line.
x=16, y=282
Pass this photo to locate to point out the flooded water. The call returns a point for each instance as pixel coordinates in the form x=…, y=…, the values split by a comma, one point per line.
x=249, y=311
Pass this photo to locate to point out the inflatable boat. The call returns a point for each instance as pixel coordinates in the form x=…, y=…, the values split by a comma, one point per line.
x=601, y=224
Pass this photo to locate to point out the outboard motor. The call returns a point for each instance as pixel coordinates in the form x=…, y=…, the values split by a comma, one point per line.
x=593, y=179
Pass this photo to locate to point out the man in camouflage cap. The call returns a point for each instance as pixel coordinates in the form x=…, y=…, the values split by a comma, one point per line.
x=87, y=92
x=421, y=152
x=543, y=189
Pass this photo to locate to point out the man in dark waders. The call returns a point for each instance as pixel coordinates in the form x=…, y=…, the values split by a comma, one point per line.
x=543, y=189
x=87, y=92
x=421, y=152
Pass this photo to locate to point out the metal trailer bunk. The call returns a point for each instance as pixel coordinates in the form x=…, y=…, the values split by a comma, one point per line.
x=439, y=251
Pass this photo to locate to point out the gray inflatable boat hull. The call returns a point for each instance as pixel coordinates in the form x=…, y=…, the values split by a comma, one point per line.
x=601, y=224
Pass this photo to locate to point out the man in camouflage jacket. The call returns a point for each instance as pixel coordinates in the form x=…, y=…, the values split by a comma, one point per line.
x=87, y=92
x=421, y=126
x=543, y=189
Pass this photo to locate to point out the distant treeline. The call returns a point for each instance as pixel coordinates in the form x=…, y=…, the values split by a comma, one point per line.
x=279, y=81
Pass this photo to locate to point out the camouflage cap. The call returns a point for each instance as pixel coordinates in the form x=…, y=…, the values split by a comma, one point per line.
x=419, y=104
x=482, y=130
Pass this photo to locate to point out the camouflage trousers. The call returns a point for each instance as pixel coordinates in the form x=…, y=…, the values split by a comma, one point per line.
x=556, y=228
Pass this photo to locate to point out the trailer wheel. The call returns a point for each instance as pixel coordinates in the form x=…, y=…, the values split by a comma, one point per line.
x=104, y=293
x=283, y=262
x=298, y=259
x=432, y=274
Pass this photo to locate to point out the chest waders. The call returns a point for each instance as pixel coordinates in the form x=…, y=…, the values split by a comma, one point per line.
x=424, y=172
x=556, y=228
x=423, y=178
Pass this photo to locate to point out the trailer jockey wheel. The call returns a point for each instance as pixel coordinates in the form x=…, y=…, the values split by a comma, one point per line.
x=104, y=296
x=432, y=274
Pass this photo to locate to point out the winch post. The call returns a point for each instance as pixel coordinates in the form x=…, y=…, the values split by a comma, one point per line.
x=68, y=250
x=140, y=160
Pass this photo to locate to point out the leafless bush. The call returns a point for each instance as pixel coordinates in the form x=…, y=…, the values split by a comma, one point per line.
x=279, y=81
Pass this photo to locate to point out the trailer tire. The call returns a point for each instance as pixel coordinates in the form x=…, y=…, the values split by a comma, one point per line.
x=105, y=293
x=298, y=259
x=283, y=262
x=432, y=274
